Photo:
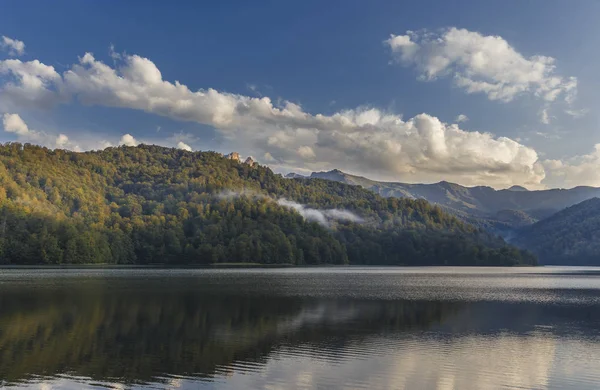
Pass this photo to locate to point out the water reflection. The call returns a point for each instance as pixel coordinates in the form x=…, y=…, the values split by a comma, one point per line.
x=183, y=332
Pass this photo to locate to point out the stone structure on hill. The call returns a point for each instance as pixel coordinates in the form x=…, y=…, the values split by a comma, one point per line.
x=233, y=156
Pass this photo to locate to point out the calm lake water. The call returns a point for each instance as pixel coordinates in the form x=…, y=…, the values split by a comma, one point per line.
x=376, y=328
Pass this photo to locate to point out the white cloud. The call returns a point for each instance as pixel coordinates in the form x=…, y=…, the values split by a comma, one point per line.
x=128, y=140
x=363, y=140
x=575, y=171
x=461, y=118
x=13, y=46
x=544, y=117
x=62, y=141
x=481, y=64
x=14, y=124
x=184, y=146
x=30, y=83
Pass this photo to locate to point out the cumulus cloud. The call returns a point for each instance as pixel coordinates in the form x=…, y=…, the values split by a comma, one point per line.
x=578, y=170
x=14, y=124
x=62, y=141
x=181, y=140
x=363, y=140
x=128, y=140
x=184, y=146
x=32, y=83
x=13, y=46
x=461, y=118
x=481, y=64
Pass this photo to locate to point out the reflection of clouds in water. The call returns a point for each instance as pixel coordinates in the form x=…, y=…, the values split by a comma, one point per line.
x=473, y=362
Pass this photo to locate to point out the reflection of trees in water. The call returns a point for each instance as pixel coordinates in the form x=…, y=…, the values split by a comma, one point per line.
x=132, y=330
x=96, y=330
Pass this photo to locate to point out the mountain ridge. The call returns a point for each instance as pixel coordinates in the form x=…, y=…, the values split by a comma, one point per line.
x=478, y=201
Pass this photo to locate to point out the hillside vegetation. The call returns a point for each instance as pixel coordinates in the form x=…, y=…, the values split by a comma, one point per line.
x=150, y=204
x=571, y=236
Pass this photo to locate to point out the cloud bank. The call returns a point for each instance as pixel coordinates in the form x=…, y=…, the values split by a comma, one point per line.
x=365, y=139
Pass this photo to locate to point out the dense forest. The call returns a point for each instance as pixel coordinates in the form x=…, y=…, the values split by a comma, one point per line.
x=571, y=236
x=156, y=205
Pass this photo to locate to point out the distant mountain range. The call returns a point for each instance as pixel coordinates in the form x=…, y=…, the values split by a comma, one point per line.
x=571, y=236
x=498, y=210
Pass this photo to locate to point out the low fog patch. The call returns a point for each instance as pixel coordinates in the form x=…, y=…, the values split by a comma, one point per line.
x=323, y=217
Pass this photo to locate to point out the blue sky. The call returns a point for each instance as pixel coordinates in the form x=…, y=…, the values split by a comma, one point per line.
x=329, y=58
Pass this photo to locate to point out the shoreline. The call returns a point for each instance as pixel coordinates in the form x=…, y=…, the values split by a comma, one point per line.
x=240, y=266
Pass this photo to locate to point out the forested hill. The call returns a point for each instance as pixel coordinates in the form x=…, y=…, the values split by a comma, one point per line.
x=150, y=204
x=571, y=236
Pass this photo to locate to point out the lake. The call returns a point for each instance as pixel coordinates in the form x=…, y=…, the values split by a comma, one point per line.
x=375, y=328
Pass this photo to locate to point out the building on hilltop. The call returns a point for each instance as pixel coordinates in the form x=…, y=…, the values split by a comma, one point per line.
x=233, y=156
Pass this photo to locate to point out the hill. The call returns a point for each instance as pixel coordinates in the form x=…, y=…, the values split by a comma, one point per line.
x=479, y=205
x=150, y=204
x=518, y=188
x=571, y=236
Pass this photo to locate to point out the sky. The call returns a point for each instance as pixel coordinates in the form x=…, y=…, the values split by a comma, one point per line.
x=494, y=93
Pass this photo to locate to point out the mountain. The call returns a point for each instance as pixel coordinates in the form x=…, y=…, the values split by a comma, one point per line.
x=150, y=205
x=480, y=205
x=514, y=218
x=571, y=236
x=293, y=175
x=518, y=188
